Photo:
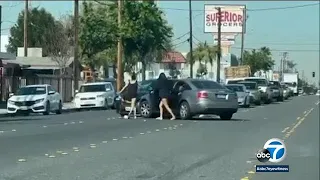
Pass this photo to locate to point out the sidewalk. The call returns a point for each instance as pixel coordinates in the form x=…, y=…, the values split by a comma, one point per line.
x=69, y=106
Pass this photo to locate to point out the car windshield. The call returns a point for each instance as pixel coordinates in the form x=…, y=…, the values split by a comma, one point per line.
x=233, y=81
x=260, y=82
x=31, y=90
x=274, y=83
x=207, y=85
x=249, y=85
x=236, y=88
x=93, y=88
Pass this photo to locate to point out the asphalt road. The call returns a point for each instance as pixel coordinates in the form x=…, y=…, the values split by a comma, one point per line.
x=97, y=145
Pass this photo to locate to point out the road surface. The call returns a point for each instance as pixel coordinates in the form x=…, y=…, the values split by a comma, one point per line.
x=97, y=145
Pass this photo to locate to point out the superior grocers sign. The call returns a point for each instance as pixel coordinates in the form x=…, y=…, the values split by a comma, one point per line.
x=232, y=18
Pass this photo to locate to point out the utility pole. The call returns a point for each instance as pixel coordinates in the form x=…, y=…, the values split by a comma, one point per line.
x=219, y=45
x=76, y=46
x=0, y=24
x=190, y=39
x=283, y=59
x=244, y=22
x=119, y=56
x=25, y=28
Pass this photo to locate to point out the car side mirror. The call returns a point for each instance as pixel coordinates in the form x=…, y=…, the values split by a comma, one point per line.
x=11, y=94
x=107, y=89
x=76, y=91
x=51, y=92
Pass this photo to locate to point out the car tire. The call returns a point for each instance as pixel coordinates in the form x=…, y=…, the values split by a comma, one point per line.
x=257, y=103
x=47, y=112
x=226, y=116
x=280, y=99
x=145, y=109
x=184, y=110
x=59, y=110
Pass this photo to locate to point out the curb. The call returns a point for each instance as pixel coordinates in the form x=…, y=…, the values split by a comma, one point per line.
x=63, y=111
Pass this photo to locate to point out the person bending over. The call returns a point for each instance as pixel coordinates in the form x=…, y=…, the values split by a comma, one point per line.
x=131, y=94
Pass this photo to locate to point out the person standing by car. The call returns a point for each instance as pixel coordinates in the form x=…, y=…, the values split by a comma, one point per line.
x=164, y=93
x=131, y=94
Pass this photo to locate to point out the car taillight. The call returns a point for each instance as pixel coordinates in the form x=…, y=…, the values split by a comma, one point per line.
x=202, y=94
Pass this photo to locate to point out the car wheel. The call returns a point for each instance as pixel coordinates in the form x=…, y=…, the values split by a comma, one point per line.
x=226, y=116
x=145, y=109
x=47, y=112
x=184, y=110
x=59, y=110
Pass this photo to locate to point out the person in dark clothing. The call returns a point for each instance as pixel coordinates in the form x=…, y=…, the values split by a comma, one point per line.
x=164, y=93
x=131, y=94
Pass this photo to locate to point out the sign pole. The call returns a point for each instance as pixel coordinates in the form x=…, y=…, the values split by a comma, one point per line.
x=219, y=45
x=244, y=21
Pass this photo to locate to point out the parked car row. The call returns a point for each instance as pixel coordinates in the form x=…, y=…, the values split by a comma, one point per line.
x=188, y=97
x=259, y=90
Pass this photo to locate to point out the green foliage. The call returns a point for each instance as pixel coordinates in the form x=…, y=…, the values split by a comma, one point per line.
x=144, y=31
x=42, y=30
x=258, y=59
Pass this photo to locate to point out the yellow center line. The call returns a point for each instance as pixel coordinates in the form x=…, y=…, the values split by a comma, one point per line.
x=251, y=172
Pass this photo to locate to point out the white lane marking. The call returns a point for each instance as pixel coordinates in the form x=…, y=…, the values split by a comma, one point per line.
x=64, y=153
x=80, y=122
x=1, y=131
x=13, y=130
x=72, y=122
x=285, y=129
x=124, y=137
x=165, y=128
x=304, y=112
x=148, y=132
x=22, y=160
x=108, y=119
x=51, y=156
x=65, y=123
x=157, y=130
x=44, y=126
x=76, y=150
x=144, y=120
x=113, y=118
x=104, y=142
x=114, y=139
x=181, y=124
x=93, y=146
x=130, y=137
x=142, y=133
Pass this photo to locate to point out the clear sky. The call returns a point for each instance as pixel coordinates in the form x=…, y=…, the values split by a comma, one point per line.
x=293, y=30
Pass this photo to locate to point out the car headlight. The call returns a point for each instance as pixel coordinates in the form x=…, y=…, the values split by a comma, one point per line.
x=10, y=102
x=100, y=96
x=39, y=100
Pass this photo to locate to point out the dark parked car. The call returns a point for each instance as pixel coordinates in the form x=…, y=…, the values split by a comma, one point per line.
x=190, y=97
x=143, y=88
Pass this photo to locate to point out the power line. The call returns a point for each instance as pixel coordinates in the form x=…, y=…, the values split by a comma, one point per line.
x=178, y=38
x=176, y=45
x=289, y=44
x=252, y=10
x=13, y=5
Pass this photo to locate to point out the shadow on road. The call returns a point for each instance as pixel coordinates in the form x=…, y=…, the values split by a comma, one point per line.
x=214, y=119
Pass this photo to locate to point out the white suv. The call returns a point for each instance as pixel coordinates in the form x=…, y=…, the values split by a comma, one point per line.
x=40, y=98
x=95, y=95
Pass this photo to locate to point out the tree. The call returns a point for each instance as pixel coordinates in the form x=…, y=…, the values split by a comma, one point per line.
x=144, y=32
x=290, y=65
x=40, y=28
x=98, y=33
x=258, y=59
x=59, y=47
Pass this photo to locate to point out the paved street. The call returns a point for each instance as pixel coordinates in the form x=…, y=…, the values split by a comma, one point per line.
x=97, y=145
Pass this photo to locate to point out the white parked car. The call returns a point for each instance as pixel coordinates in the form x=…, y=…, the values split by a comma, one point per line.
x=95, y=95
x=318, y=93
x=40, y=98
x=242, y=93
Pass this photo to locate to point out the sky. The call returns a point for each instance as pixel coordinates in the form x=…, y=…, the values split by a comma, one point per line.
x=294, y=30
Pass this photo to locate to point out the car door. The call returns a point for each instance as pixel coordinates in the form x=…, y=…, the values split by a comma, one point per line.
x=109, y=94
x=53, y=98
x=178, y=89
